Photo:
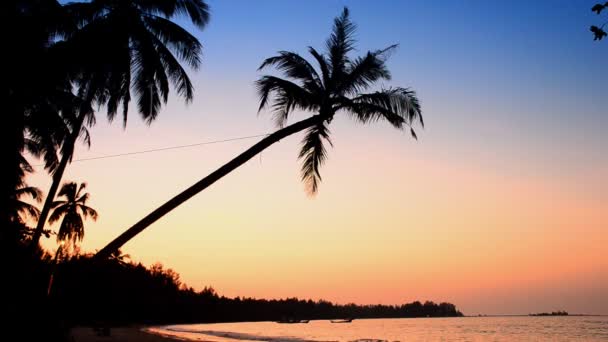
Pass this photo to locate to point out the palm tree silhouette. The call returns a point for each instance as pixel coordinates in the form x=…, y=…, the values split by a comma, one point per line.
x=120, y=257
x=125, y=46
x=72, y=212
x=33, y=105
x=22, y=211
x=337, y=88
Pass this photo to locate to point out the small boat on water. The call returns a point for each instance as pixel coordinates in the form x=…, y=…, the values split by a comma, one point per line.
x=348, y=320
x=293, y=321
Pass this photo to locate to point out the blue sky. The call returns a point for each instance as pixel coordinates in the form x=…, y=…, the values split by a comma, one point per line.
x=515, y=75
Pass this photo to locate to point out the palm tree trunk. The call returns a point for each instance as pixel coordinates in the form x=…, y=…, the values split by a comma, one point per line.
x=57, y=176
x=206, y=182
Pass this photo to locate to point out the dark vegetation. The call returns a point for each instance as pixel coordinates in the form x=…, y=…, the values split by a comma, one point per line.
x=554, y=313
x=115, y=291
x=155, y=295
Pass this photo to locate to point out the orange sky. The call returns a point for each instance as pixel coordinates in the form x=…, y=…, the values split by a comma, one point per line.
x=393, y=222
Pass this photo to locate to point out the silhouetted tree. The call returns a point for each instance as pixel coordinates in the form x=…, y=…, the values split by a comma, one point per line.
x=598, y=32
x=124, y=47
x=120, y=257
x=15, y=230
x=72, y=212
x=337, y=87
x=22, y=211
x=36, y=92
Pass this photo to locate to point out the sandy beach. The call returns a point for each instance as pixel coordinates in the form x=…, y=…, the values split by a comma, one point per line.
x=127, y=334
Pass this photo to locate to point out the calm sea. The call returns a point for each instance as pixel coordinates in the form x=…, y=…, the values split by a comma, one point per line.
x=571, y=328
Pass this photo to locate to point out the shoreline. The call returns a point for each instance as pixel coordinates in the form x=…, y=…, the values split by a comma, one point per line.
x=155, y=334
x=122, y=334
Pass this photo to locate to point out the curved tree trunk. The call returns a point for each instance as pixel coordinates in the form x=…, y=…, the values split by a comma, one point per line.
x=57, y=176
x=205, y=182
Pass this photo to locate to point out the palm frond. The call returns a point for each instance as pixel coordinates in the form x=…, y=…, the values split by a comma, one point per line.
x=85, y=136
x=34, y=192
x=148, y=76
x=84, y=13
x=59, y=209
x=88, y=212
x=72, y=228
x=119, y=79
x=296, y=67
x=285, y=97
x=58, y=203
x=196, y=10
x=176, y=73
x=24, y=166
x=92, y=87
x=398, y=106
x=363, y=72
x=81, y=200
x=340, y=43
x=68, y=189
x=27, y=210
x=313, y=155
x=42, y=145
x=323, y=65
x=177, y=39
x=81, y=187
x=22, y=209
x=47, y=127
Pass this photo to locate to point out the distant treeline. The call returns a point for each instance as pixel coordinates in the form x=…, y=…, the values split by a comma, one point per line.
x=126, y=292
x=554, y=313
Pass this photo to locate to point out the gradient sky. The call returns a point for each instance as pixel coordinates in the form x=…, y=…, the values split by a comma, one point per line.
x=500, y=207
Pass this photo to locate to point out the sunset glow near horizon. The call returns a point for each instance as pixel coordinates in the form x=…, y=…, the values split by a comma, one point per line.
x=500, y=207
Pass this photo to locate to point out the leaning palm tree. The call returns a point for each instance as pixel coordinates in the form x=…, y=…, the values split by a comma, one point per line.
x=338, y=85
x=72, y=211
x=120, y=47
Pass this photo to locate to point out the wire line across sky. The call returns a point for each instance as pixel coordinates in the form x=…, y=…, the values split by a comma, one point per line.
x=168, y=148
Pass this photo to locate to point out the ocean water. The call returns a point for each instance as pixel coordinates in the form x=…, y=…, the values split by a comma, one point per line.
x=562, y=328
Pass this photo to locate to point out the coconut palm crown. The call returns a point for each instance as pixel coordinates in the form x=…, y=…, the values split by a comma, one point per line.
x=135, y=46
x=339, y=84
x=20, y=210
x=73, y=210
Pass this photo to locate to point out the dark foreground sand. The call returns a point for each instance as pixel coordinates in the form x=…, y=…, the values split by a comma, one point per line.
x=87, y=334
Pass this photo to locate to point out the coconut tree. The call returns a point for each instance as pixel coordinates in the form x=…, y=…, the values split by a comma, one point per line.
x=339, y=85
x=120, y=47
x=20, y=210
x=35, y=91
x=72, y=211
